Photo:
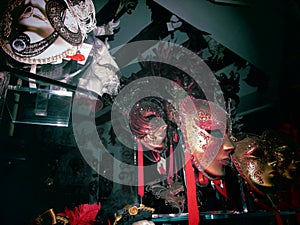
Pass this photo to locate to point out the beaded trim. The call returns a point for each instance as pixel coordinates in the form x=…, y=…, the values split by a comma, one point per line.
x=54, y=10
x=32, y=49
x=70, y=51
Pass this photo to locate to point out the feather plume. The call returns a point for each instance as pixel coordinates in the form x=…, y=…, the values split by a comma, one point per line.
x=84, y=214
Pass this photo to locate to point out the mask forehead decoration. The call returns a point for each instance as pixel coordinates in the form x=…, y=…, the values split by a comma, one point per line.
x=41, y=31
x=204, y=127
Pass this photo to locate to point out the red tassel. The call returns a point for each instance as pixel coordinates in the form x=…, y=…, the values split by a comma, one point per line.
x=171, y=165
x=141, y=190
x=193, y=217
x=175, y=136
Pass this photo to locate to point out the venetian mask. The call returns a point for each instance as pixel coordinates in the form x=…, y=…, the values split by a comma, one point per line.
x=44, y=31
x=148, y=123
x=285, y=151
x=254, y=161
x=204, y=131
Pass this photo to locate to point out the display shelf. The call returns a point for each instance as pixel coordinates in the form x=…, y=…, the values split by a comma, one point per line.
x=227, y=217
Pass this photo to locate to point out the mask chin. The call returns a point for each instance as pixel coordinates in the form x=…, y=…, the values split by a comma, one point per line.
x=152, y=144
x=214, y=174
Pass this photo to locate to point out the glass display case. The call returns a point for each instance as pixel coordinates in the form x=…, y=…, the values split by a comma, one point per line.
x=41, y=98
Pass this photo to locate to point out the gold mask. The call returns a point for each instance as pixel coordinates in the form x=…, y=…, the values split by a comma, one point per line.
x=286, y=152
x=254, y=161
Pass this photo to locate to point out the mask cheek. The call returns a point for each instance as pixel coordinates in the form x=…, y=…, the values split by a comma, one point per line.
x=209, y=149
x=255, y=171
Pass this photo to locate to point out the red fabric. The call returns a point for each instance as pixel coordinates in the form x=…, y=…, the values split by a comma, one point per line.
x=77, y=57
x=222, y=189
x=203, y=180
x=141, y=190
x=194, y=218
x=291, y=130
x=84, y=214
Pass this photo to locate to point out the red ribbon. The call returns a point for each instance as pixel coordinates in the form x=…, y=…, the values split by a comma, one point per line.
x=141, y=190
x=222, y=190
x=193, y=217
x=77, y=57
x=171, y=165
x=267, y=207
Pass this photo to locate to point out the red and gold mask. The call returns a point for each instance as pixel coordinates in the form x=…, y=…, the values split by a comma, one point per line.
x=148, y=124
x=204, y=130
x=254, y=161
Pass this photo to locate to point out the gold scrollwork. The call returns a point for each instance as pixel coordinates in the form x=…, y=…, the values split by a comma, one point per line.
x=132, y=211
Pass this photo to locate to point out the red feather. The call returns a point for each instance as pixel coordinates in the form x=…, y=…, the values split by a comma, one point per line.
x=84, y=214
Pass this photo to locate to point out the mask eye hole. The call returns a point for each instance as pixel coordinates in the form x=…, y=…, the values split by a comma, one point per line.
x=215, y=133
x=256, y=153
x=156, y=122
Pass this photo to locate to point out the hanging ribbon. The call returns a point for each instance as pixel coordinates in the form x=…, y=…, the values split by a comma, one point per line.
x=171, y=165
x=193, y=212
x=141, y=190
x=267, y=207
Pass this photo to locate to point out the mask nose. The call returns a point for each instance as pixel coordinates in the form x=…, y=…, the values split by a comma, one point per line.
x=293, y=164
x=161, y=129
x=228, y=145
x=273, y=163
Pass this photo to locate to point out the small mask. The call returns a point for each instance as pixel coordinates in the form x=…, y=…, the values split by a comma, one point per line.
x=285, y=151
x=148, y=123
x=254, y=161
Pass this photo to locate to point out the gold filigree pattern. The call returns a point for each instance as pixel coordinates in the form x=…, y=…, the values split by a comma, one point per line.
x=132, y=210
x=171, y=195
